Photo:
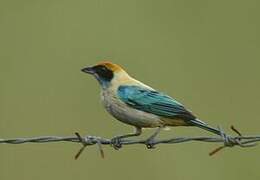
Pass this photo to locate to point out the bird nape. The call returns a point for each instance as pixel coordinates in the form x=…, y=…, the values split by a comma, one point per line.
x=134, y=103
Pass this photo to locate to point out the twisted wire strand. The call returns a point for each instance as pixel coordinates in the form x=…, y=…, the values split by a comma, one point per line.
x=91, y=140
x=226, y=140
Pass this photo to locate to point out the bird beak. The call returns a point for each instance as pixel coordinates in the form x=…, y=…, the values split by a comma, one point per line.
x=88, y=70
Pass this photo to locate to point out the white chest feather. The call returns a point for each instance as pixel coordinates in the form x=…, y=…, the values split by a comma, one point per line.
x=126, y=114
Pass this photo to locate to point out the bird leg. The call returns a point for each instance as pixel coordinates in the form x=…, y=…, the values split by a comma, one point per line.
x=150, y=141
x=116, y=141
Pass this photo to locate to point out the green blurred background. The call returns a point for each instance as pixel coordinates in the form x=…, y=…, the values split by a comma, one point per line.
x=204, y=53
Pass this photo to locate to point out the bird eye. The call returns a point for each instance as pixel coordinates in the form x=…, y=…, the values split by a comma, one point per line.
x=103, y=72
x=103, y=68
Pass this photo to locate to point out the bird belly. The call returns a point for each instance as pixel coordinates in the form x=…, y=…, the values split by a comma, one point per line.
x=128, y=115
x=174, y=122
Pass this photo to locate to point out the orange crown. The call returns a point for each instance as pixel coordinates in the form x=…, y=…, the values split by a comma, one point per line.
x=111, y=66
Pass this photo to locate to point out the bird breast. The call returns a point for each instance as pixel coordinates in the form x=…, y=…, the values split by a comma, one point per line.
x=126, y=114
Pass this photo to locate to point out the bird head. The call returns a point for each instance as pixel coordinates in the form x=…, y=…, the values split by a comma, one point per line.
x=105, y=72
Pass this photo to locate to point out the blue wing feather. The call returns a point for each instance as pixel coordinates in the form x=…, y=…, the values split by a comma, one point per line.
x=153, y=102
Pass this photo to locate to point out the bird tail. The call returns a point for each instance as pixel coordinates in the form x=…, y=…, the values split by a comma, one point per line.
x=201, y=124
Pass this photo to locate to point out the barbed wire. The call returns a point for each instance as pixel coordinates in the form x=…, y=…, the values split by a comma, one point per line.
x=228, y=141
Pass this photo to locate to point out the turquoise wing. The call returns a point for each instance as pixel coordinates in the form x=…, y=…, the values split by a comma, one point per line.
x=153, y=102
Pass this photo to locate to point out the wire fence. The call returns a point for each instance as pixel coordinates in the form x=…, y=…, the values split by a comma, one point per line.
x=227, y=141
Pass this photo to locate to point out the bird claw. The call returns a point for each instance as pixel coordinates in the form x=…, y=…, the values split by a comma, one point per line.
x=150, y=144
x=116, y=143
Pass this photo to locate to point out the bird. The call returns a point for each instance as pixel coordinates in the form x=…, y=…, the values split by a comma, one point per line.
x=139, y=105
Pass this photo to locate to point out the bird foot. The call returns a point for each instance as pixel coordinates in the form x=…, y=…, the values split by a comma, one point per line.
x=150, y=144
x=116, y=143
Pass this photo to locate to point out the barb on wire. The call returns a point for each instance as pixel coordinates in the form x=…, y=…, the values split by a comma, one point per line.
x=228, y=141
